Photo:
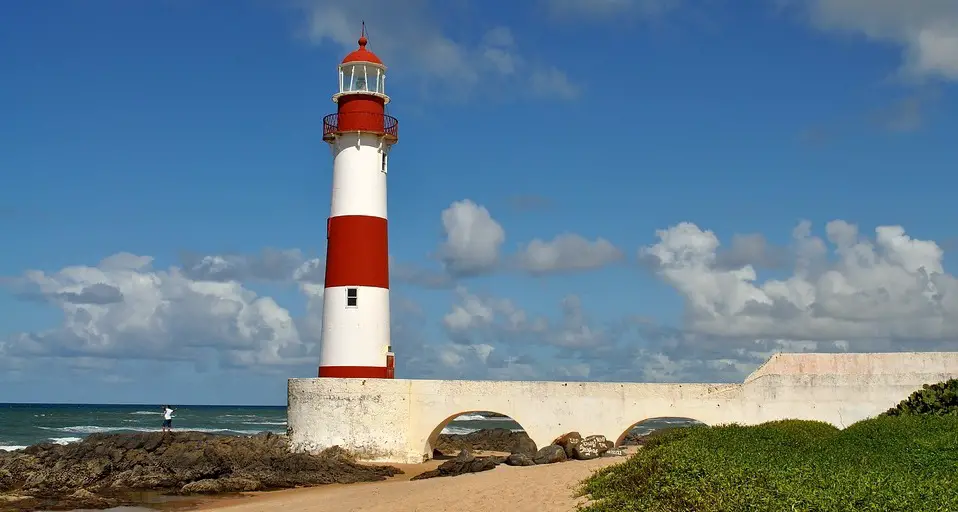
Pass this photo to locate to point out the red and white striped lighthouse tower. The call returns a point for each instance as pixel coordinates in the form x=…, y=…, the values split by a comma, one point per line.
x=355, y=339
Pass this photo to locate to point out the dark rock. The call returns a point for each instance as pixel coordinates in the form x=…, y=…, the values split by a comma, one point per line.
x=601, y=443
x=550, y=454
x=463, y=463
x=590, y=448
x=219, y=485
x=568, y=442
x=615, y=452
x=103, y=469
x=520, y=459
x=493, y=440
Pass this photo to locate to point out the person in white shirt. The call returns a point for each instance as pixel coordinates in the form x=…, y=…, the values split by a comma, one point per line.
x=168, y=418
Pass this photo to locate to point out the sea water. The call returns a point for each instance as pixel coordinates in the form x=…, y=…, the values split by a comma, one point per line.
x=22, y=425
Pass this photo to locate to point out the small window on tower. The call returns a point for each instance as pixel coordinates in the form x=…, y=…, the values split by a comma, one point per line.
x=352, y=297
x=384, y=162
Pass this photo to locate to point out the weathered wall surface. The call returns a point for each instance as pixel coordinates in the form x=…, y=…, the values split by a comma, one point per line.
x=387, y=420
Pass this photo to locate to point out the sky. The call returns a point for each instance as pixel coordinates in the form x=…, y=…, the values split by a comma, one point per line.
x=611, y=190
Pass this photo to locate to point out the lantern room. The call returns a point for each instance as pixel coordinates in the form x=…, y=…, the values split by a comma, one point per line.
x=362, y=97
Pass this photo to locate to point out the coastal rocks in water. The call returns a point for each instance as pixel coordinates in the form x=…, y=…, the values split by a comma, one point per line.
x=103, y=468
x=463, y=463
x=550, y=454
x=492, y=439
x=591, y=447
x=520, y=459
x=568, y=442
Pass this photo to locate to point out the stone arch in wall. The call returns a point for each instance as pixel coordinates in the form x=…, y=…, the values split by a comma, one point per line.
x=656, y=423
x=509, y=422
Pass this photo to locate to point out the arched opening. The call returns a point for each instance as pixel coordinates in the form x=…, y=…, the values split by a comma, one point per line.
x=482, y=432
x=637, y=433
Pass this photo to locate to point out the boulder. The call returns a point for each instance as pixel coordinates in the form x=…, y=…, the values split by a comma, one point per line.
x=493, y=439
x=568, y=442
x=550, y=454
x=463, y=463
x=520, y=459
x=220, y=485
x=615, y=452
x=101, y=470
x=590, y=448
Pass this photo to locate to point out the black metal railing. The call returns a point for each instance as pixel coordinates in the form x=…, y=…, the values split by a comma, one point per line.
x=363, y=121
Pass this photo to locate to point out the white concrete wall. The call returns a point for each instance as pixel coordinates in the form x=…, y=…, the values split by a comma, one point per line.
x=386, y=420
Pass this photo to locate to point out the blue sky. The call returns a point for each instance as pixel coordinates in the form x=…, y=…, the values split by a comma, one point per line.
x=182, y=130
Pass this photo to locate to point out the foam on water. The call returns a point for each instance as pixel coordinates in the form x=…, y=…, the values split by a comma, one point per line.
x=94, y=429
x=65, y=440
x=467, y=430
x=11, y=448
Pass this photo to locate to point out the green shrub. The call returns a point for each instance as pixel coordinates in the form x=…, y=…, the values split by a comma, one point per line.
x=936, y=399
x=907, y=463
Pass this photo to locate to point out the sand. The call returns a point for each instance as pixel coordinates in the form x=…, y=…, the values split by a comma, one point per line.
x=546, y=488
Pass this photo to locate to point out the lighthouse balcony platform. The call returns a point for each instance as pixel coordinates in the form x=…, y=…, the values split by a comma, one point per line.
x=367, y=122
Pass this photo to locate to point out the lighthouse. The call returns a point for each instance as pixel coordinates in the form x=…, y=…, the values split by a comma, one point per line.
x=355, y=338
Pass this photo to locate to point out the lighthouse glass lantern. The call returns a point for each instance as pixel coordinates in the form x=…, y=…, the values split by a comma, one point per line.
x=362, y=77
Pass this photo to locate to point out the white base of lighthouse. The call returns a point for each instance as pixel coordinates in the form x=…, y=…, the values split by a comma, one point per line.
x=355, y=329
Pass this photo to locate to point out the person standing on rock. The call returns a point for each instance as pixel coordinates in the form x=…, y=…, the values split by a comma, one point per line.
x=168, y=418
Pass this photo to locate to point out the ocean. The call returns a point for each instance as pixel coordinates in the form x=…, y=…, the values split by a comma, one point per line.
x=22, y=425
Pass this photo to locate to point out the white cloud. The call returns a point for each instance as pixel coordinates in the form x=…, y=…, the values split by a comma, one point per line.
x=157, y=314
x=926, y=30
x=409, y=37
x=473, y=239
x=891, y=288
x=475, y=319
x=567, y=252
x=473, y=245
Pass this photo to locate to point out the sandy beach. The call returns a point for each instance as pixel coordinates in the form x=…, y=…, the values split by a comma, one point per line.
x=546, y=488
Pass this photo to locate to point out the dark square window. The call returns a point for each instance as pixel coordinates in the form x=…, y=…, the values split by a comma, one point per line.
x=352, y=297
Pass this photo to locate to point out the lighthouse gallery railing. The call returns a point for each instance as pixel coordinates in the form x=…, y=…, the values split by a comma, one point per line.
x=389, y=124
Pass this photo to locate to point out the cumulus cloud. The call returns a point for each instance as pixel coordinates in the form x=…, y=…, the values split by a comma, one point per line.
x=476, y=319
x=472, y=239
x=269, y=265
x=927, y=31
x=892, y=287
x=410, y=36
x=473, y=242
x=567, y=252
x=123, y=308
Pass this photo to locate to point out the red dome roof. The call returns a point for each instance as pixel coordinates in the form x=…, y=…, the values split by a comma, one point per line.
x=362, y=54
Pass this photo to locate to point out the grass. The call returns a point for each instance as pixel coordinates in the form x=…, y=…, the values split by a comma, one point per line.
x=905, y=463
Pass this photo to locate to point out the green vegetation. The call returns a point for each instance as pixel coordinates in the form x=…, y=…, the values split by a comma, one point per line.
x=937, y=399
x=901, y=461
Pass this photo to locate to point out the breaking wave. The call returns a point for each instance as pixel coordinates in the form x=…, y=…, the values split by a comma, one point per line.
x=93, y=429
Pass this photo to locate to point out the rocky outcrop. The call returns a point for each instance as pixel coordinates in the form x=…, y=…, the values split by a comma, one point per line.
x=462, y=464
x=520, y=459
x=550, y=455
x=568, y=442
x=103, y=469
x=493, y=439
x=589, y=448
